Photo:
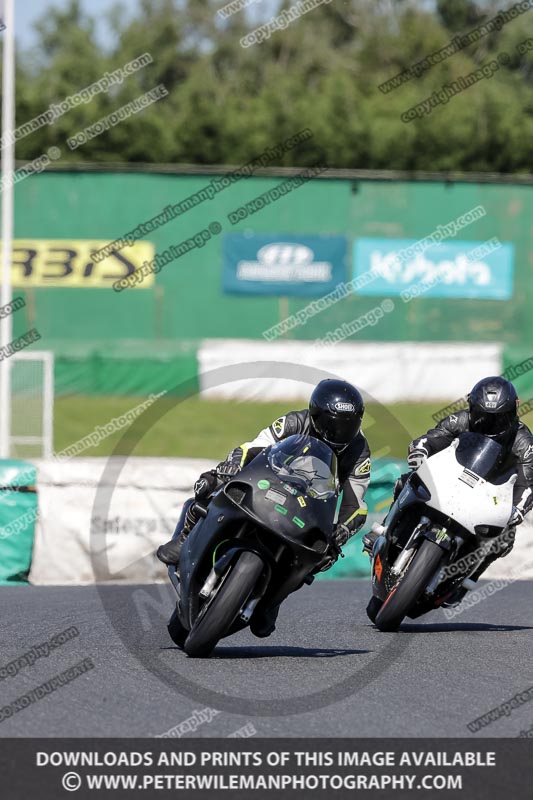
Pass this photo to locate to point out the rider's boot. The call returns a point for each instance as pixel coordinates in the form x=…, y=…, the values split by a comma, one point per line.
x=461, y=591
x=264, y=623
x=169, y=553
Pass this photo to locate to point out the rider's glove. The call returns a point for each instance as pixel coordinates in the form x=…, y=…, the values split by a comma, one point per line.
x=341, y=534
x=400, y=483
x=516, y=518
x=416, y=457
x=327, y=562
x=205, y=485
x=227, y=469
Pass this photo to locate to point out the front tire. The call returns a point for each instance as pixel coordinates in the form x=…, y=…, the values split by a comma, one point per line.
x=410, y=587
x=176, y=631
x=373, y=608
x=213, y=624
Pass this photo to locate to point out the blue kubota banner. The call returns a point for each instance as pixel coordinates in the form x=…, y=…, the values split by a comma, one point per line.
x=411, y=269
x=283, y=265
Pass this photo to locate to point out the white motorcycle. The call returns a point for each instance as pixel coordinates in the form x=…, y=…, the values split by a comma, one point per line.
x=451, y=513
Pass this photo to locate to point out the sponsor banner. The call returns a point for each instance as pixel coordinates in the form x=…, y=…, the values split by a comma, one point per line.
x=440, y=270
x=64, y=263
x=283, y=265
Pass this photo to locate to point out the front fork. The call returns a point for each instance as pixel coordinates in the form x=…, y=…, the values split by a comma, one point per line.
x=425, y=529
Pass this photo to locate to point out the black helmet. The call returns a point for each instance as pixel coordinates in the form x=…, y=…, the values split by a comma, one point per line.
x=336, y=409
x=493, y=406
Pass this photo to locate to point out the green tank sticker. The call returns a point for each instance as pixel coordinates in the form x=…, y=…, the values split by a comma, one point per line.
x=299, y=522
x=262, y=484
x=280, y=509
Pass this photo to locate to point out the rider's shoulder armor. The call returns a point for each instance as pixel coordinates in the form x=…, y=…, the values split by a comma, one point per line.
x=355, y=459
x=291, y=423
x=456, y=423
x=523, y=443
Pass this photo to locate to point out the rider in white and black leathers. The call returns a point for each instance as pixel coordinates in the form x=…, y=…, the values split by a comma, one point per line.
x=493, y=411
x=334, y=416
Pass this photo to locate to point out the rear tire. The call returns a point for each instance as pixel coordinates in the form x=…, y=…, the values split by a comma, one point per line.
x=410, y=588
x=176, y=631
x=223, y=609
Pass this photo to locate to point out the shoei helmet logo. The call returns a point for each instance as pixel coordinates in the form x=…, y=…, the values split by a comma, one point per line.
x=344, y=407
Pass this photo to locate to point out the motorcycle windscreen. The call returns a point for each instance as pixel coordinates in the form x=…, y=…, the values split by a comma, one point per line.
x=478, y=453
x=307, y=464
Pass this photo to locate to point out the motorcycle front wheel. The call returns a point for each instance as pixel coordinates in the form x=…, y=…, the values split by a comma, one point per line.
x=175, y=629
x=222, y=608
x=410, y=587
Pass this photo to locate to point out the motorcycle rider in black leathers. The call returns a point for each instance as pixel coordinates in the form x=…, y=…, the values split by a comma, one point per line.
x=492, y=411
x=334, y=416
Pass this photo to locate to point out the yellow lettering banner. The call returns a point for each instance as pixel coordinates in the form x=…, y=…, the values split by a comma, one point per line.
x=64, y=263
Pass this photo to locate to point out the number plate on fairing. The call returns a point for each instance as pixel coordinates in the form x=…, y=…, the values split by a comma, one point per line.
x=470, y=478
x=276, y=497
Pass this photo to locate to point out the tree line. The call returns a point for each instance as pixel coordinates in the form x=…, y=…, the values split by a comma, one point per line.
x=351, y=71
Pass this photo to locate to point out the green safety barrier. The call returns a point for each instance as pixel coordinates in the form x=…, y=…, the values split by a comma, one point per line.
x=355, y=563
x=18, y=514
x=126, y=368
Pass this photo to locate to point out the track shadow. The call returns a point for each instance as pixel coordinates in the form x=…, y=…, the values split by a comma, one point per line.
x=273, y=651
x=458, y=627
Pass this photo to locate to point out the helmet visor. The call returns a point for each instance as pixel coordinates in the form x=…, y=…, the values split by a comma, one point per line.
x=492, y=424
x=337, y=431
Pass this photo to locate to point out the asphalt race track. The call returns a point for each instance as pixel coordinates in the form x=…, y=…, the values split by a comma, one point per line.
x=326, y=671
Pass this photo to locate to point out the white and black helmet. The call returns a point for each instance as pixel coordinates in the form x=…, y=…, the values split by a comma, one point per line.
x=336, y=409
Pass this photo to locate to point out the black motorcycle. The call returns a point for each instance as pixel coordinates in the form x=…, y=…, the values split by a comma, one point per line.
x=263, y=534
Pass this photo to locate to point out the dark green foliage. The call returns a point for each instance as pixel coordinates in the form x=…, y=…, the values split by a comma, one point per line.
x=226, y=103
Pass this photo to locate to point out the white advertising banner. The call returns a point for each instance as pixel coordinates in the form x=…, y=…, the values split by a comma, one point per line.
x=386, y=371
x=102, y=519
